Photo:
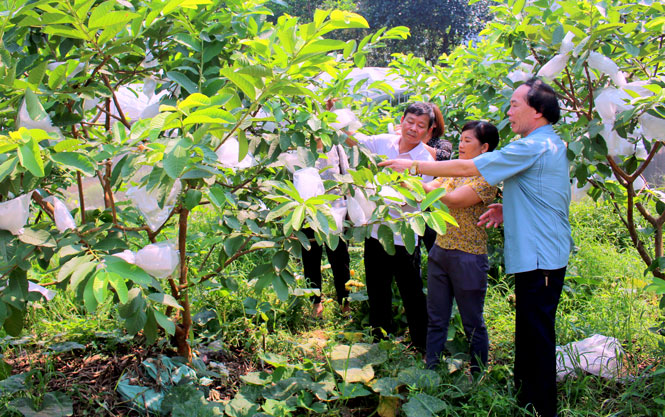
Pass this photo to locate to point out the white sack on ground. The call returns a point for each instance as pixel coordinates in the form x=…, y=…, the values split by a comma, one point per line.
x=48, y=294
x=308, y=182
x=14, y=214
x=604, y=64
x=346, y=120
x=229, y=152
x=63, y=218
x=158, y=259
x=147, y=203
x=599, y=355
x=360, y=209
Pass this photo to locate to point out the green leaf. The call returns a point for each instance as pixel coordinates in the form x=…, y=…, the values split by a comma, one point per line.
x=431, y=197
x=105, y=19
x=281, y=288
x=89, y=299
x=192, y=198
x=80, y=274
x=322, y=45
x=387, y=239
x=99, y=284
x=75, y=160
x=53, y=404
x=14, y=323
x=7, y=168
x=243, y=145
x=71, y=265
x=126, y=270
x=164, y=322
x=194, y=100
x=118, y=283
x=354, y=363
x=29, y=155
x=37, y=238
x=245, y=83
x=37, y=74
x=165, y=299
x=182, y=80
x=298, y=217
x=280, y=260
x=423, y=405
x=176, y=160
x=210, y=115
x=217, y=196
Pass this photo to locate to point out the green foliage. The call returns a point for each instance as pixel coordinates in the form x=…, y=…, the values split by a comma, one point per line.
x=224, y=73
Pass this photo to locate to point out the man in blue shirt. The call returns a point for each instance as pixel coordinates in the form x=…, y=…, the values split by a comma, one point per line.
x=536, y=196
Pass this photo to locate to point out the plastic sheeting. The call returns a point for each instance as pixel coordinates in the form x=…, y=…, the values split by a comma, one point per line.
x=308, y=182
x=147, y=203
x=598, y=355
x=14, y=214
x=48, y=294
x=63, y=218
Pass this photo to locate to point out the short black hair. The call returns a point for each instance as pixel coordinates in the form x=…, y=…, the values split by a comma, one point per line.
x=419, y=108
x=543, y=98
x=485, y=132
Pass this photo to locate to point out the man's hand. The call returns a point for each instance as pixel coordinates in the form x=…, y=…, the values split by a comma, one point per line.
x=492, y=217
x=399, y=165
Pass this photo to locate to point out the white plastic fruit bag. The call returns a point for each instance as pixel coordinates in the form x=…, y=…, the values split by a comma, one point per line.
x=347, y=120
x=147, y=203
x=14, y=214
x=604, y=64
x=339, y=214
x=63, y=218
x=229, y=152
x=360, y=208
x=158, y=259
x=308, y=182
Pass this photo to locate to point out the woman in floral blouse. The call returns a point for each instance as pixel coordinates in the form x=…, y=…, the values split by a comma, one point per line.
x=458, y=264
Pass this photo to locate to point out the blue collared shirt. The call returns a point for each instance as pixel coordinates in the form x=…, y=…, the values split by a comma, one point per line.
x=536, y=198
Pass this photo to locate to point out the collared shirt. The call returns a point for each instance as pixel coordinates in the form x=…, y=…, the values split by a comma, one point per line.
x=468, y=237
x=388, y=145
x=536, y=198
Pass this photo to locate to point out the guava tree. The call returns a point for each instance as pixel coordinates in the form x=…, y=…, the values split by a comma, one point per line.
x=605, y=59
x=224, y=93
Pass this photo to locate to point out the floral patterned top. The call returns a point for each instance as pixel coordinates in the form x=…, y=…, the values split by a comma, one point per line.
x=467, y=237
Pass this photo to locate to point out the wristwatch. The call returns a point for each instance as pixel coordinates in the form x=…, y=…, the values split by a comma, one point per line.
x=413, y=170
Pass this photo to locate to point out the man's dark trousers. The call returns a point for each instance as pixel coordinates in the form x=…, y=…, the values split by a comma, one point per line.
x=537, y=296
x=380, y=269
x=339, y=263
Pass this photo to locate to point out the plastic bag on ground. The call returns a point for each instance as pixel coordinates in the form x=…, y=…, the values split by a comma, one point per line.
x=63, y=218
x=147, y=203
x=598, y=355
x=158, y=259
x=308, y=182
x=360, y=209
x=14, y=214
x=229, y=152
